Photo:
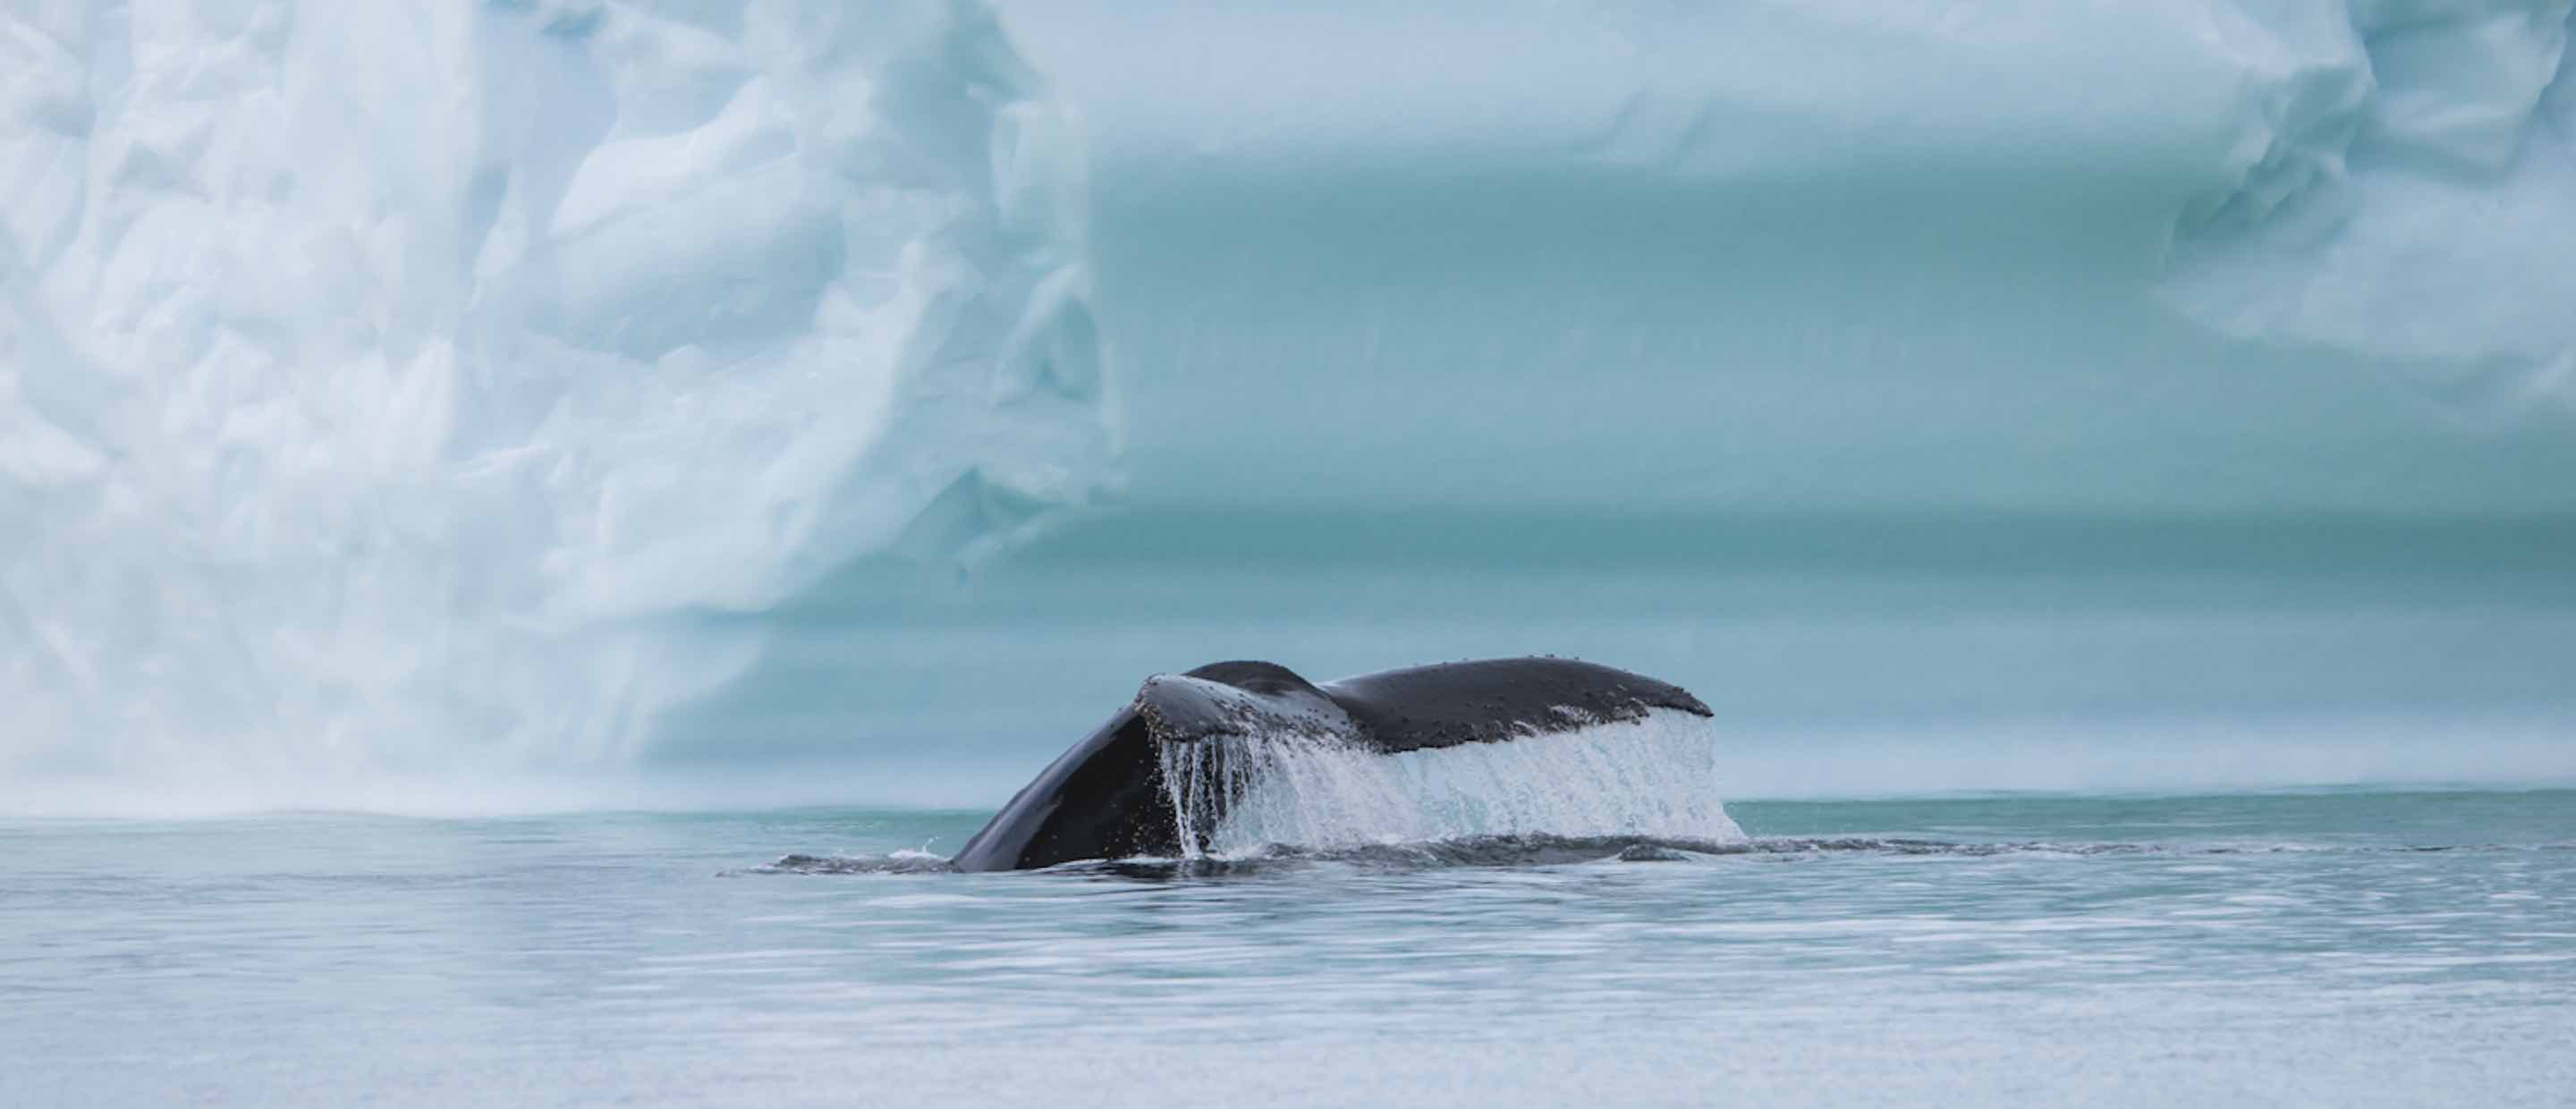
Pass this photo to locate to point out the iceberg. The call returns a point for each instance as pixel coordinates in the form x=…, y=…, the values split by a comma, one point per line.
x=2406, y=201
x=393, y=389
x=2213, y=256
x=547, y=387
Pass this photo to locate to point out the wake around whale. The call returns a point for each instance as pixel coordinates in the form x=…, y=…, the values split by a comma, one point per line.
x=1152, y=780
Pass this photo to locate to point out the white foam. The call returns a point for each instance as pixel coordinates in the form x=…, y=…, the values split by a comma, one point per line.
x=1652, y=777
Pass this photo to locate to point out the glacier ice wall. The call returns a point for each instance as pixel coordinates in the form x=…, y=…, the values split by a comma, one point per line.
x=388, y=388
x=442, y=386
x=2214, y=256
x=2408, y=193
x=1994, y=394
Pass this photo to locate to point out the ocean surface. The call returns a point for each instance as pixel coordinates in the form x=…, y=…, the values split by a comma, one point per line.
x=2319, y=948
x=528, y=529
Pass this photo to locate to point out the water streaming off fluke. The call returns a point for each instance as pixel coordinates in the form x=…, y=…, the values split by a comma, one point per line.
x=1657, y=777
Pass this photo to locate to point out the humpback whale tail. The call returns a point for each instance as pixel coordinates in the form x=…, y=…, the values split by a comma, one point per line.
x=1155, y=778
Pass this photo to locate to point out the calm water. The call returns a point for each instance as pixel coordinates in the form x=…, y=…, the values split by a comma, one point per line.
x=2345, y=948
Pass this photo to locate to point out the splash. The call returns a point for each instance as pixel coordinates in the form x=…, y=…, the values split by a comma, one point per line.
x=1656, y=777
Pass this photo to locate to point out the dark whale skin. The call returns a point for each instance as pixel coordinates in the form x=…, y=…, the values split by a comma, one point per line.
x=1105, y=798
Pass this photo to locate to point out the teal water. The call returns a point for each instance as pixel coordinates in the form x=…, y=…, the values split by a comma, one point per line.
x=2346, y=948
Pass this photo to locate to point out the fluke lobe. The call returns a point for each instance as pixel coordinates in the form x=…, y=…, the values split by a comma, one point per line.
x=1105, y=798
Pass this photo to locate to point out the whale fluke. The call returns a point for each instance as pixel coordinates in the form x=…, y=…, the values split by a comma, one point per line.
x=1423, y=707
x=1105, y=798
